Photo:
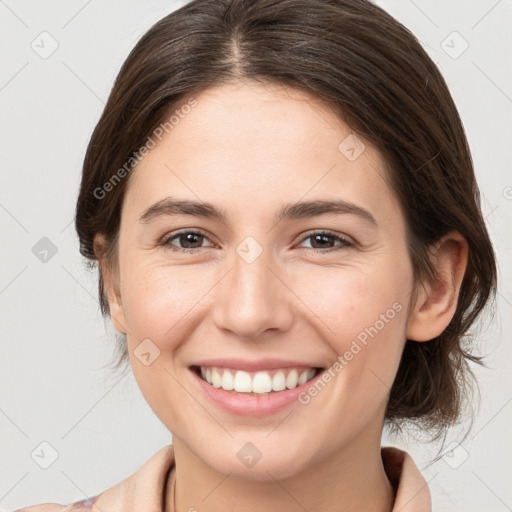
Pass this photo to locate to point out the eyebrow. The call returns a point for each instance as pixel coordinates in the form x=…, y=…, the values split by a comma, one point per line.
x=305, y=209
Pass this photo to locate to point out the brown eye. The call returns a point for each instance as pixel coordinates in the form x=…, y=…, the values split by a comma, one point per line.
x=188, y=240
x=323, y=241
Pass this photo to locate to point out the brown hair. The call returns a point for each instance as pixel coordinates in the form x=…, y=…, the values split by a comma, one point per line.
x=376, y=76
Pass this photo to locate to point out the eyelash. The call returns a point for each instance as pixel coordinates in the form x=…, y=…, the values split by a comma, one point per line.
x=344, y=242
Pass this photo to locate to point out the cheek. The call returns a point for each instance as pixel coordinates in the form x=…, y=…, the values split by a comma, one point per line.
x=361, y=312
x=161, y=305
x=347, y=300
x=157, y=299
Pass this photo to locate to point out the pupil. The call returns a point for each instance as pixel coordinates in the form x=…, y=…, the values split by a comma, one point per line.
x=189, y=239
x=323, y=238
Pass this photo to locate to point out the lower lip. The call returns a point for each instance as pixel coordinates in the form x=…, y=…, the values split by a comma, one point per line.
x=252, y=405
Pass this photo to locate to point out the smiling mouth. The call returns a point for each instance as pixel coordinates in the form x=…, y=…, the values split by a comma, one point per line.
x=261, y=382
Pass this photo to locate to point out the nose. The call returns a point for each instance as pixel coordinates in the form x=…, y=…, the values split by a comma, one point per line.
x=253, y=298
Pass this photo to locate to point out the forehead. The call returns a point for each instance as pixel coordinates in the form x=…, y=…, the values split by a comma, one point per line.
x=255, y=144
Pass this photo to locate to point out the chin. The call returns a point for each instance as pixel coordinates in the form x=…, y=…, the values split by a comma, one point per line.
x=276, y=465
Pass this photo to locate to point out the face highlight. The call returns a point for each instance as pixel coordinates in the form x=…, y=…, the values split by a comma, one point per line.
x=249, y=233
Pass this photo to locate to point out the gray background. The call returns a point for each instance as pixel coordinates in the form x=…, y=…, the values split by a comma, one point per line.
x=55, y=345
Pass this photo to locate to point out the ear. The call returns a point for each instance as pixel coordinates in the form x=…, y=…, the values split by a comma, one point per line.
x=436, y=301
x=110, y=279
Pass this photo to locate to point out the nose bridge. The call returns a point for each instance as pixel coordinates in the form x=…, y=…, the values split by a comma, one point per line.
x=251, y=300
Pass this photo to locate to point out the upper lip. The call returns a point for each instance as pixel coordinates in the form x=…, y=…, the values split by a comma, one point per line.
x=254, y=365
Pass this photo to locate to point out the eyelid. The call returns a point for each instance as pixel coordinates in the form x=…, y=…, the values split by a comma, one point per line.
x=173, y=234
x=346, y=242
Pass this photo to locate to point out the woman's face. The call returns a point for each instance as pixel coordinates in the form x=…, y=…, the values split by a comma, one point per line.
x=258, y=289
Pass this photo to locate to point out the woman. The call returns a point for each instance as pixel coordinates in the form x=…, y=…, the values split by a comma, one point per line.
x=281, y=200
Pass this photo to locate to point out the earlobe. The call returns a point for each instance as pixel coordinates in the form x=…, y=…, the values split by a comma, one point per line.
x=110, y=285
x=436, y=301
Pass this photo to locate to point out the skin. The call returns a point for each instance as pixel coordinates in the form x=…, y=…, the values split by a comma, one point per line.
x=249, y=148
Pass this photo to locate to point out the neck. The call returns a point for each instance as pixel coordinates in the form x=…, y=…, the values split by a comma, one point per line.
x=351, y=479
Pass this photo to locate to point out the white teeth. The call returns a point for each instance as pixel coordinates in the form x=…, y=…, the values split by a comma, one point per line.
x=303, y=377
x=216, y=379
x=278, y=381
x=260, y=382
x=291, y=380
x=243, y=382
x=228, y=382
